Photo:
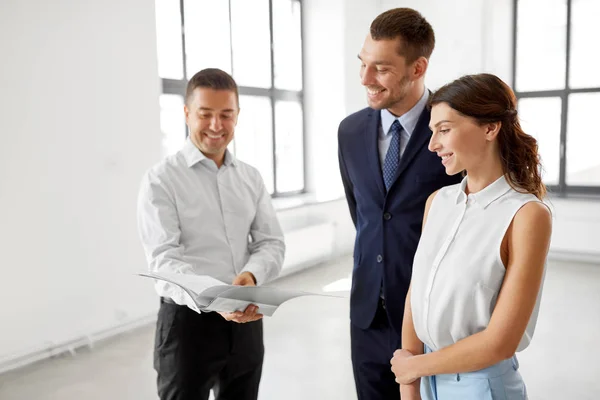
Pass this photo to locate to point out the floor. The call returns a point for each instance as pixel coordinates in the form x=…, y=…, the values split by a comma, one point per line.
x=307, y=344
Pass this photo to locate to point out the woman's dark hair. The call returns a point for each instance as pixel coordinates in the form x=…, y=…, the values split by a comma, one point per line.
x=487, y=99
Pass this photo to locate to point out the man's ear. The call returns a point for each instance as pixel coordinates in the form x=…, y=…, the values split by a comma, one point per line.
x=420, y=67
x=237, y=116
x=186, y=112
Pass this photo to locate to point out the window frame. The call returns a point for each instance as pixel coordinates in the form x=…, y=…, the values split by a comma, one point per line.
x=562, y=189
x=178, y=87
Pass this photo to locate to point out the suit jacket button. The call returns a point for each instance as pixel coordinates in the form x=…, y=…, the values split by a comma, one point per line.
x=387, y=216
x=379, y=258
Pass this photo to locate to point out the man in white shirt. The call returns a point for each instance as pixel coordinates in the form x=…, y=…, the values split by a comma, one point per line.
x=203, y=212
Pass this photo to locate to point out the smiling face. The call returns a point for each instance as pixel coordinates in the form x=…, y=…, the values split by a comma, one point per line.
x=460, y=141
x=384, y=73
x=211, y=116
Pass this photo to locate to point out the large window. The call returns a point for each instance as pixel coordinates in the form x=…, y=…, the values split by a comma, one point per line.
x=259, y=42
x=556, y=80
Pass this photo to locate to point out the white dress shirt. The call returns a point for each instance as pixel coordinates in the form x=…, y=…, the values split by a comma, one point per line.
x=458, y=270
x=408, y=121
x=195, y=218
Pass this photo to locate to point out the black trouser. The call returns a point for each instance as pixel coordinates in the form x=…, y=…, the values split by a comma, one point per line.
x=372, y=350
x=194, y=353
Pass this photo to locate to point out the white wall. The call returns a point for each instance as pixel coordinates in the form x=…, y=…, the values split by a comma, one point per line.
x=324, y=93
x=316, y=233
x=468, y=40
x=79, y=126
x=458, y=39
x=334, y=32
x=576, y=229
x=358, y=15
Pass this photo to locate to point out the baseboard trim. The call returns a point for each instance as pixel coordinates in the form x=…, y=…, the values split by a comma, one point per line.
x=566, y=255
x=15, y=361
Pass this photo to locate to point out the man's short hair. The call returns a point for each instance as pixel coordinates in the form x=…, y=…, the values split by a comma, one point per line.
x=212, y=78
x=415, y=33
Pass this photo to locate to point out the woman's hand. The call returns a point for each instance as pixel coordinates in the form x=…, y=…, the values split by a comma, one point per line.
x=401, y=367
x=411, y=392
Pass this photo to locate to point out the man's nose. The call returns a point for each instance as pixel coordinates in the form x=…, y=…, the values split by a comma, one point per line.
x=366, y=78
x=216, y=124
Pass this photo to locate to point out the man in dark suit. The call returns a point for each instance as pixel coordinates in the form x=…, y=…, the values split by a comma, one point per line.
x=388, y=173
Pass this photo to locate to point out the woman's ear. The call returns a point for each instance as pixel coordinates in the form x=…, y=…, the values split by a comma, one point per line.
x=492, y=130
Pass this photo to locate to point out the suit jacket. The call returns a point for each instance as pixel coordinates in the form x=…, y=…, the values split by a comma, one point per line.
x=388, y=225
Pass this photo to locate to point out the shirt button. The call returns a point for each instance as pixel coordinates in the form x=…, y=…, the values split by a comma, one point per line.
x=387, y=216
x=379, y=258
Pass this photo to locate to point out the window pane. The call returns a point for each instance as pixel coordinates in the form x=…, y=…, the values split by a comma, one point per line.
x=207, y=42
x=583, y=140
x=168, y=39
x=290, y=146
x=287, y=44
x=541, y=118
x=251, y=41
x=254, y=136
x=172, y=122
x=541, y=45
x=585, y=31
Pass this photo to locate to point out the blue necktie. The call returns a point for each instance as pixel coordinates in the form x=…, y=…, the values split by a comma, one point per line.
x=392, y=157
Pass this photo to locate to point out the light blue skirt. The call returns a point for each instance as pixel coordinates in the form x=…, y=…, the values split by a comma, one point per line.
x=498, y=382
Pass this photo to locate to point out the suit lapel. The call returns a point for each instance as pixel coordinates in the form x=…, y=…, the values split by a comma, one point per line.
x=371, y=135
x=418, y=139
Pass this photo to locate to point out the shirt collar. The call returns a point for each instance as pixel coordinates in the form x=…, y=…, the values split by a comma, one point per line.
x=230, y=159
x=487, y=195
x=408, y=120
x=193, y=156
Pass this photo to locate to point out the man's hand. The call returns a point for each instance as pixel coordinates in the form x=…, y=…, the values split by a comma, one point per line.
x=244, y=279
x=250, y=314
x=401, y=367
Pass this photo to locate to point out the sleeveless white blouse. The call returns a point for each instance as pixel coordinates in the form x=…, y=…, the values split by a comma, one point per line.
x=457, y=270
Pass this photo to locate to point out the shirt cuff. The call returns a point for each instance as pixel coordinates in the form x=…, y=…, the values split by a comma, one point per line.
x=258, y=271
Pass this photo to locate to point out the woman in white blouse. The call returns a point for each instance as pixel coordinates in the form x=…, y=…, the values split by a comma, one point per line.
x=478, y=271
